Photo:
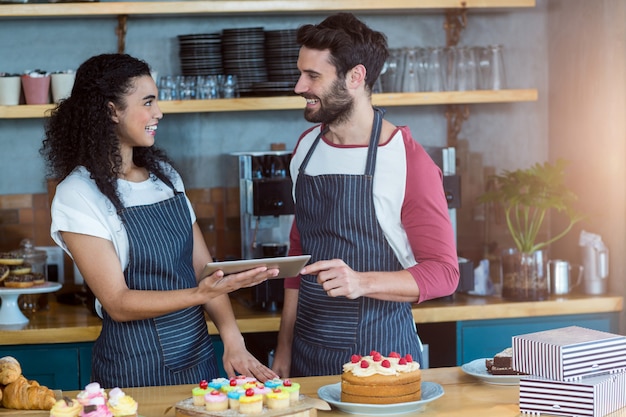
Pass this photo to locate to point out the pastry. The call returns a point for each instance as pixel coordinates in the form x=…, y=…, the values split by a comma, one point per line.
x=376, y=379
x=21, y=269
x=502, y=363
x=293, y=389
x=23, y=394
x=262, y=390
x=91, y=392
x=19, y=281
x=66, y=407
x=121, y=404
x=277, y=399
x=10, y=370
x=8, y=258
x=233, y=398
x=4, y=272
x=215, y=401
x=38, y=278
x=95, y=410
x=250, y=403
x=198, y=392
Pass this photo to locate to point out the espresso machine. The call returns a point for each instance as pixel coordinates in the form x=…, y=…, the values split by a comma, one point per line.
x=266, y=215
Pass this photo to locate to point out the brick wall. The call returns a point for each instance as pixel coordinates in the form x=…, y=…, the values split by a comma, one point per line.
x=217, y=209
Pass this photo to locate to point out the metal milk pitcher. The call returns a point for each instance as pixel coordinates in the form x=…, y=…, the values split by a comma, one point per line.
x=596, y=269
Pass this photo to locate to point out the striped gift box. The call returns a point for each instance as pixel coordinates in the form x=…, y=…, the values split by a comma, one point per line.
x=594, y=396
x=569, y=353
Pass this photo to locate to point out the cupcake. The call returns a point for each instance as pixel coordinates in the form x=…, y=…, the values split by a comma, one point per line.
x=250, y=403
x=242, y=379
x=198, y=393
x=66, y=407
x=293, y=388
x=122, y=405
x=218, y=383
x=233, y=398
x=273, y=383
x=216, y=401
x=91, y=392
x=262, y=390
x=277, y=399
x=96, y=408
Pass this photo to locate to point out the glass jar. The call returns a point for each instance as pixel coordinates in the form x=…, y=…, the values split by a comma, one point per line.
x=524, y=276
x=37, y=259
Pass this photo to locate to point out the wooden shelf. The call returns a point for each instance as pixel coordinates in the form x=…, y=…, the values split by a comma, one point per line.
x=297, y=102
x=242, y=7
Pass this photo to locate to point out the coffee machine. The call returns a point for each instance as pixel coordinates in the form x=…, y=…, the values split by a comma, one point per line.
x=266, y=213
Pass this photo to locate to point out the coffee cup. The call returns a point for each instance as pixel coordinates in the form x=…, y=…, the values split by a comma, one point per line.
x=560, y=280
x=10, y=89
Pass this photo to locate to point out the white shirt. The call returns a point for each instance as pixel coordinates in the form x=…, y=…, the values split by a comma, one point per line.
x=79, y=207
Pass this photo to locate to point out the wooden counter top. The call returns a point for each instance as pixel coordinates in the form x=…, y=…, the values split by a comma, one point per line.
x=464, y=396
x=68, y=324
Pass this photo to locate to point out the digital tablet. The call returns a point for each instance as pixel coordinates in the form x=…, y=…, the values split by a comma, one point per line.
x=289, y=266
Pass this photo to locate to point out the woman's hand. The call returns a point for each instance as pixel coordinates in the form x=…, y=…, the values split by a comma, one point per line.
x=237, y=360
x=217, y=283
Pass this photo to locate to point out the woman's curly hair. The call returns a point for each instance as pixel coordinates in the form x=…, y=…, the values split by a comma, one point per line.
x=80, y=130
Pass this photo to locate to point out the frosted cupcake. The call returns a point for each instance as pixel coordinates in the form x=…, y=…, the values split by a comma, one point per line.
x=218, y=383
x=250, y=403
x=91, y=392
x=242, y=380
x=122, y=405
x=198, y=392
x=262, y=390
x=216, y=401
x=96, y=408
x=66, y=407
x=293, y=388
x=277, y=399
x=273, y=383
x=233, y=398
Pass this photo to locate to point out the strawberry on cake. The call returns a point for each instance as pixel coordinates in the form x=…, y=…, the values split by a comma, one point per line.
x=376, y=379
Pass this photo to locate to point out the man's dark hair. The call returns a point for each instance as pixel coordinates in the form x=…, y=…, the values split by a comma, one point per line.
x=350, y=42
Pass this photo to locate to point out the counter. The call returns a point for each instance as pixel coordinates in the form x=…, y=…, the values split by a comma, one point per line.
x=68, y=324
x=464, y=396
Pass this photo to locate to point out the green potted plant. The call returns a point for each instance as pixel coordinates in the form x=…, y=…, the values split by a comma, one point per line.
x=528, y=196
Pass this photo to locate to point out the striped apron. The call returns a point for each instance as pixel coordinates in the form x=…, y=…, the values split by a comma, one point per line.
x=336, y=218
x=171, y=349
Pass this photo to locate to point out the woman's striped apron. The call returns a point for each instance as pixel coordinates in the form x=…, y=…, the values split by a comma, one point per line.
x=336, y=218
x=167, y=350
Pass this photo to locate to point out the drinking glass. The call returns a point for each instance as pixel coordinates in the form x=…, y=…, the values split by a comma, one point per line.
x=492, y=68
x=410, y=82
x=187, y=87
x=435, y=78
x=167, y=88
x=229, y=86
x=466, y=71
x=392, y=72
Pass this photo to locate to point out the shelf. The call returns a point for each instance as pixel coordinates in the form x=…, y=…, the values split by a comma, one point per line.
x=241, y=6
x=297, y=102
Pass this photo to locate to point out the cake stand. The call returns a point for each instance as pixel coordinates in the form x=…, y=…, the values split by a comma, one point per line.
x=10, y=312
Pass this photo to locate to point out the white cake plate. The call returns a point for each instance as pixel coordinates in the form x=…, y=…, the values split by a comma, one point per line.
x=10, y=312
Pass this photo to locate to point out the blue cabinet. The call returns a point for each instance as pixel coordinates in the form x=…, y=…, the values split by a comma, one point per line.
x=67, y=366
x=64, y=366
x=484, y=338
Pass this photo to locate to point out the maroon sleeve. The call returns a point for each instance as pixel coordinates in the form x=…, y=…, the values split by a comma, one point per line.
x=427, y=223
x=294, y=249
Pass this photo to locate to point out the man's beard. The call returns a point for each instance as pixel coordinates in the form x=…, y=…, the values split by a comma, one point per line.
x=336, y=107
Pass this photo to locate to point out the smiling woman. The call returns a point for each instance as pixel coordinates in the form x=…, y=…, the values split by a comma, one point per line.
x=120, y=199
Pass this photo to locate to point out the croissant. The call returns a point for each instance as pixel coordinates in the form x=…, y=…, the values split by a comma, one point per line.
x=23, y=394
x=10, y=370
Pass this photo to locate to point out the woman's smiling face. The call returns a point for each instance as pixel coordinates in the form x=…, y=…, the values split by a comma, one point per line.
x=137, y=121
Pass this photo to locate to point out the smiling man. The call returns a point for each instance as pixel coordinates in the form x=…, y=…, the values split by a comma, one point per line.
x=370, y=209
